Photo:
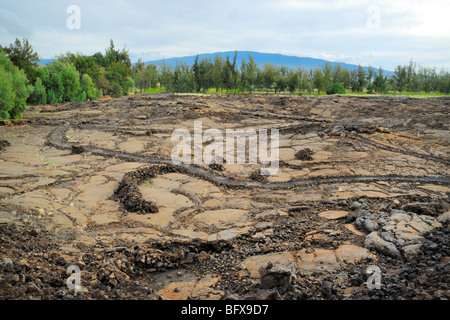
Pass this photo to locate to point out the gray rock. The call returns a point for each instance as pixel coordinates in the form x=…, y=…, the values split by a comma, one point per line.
x=398, y=216
x=359, y=223
x=363, y=213
x=6, y=261
x=356, y=205
x=340, y=279
x=443, y=205
x=389, y=228
x=427, y=208
x=374, y=241
x=227, y=234
x=279, y=275
x=351, y=216
x=367, y=220
x=327, y=288
x=371, y=225
x=411, y=250
x=395, y=211
x=444, y=218
x=399, y=242
x=263, y=225
x=423, y=223
x=387, y=236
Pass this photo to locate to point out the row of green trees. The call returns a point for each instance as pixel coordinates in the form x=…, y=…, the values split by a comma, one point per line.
x=413, y=78
x=229, y=76
x=77, y=77
x=69, y=78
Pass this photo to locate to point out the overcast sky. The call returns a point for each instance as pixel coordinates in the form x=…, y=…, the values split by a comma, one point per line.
x=379, y=33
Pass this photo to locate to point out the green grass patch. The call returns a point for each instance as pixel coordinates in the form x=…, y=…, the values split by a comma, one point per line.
x=155, y=90
x=304, y=92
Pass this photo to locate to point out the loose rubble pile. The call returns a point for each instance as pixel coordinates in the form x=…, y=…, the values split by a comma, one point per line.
x=425, y=276
x=304, y=154
x=128, y=191
x=34, y=266
x=399, y=233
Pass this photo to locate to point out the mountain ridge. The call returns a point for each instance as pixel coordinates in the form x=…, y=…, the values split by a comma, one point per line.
x=261, y=58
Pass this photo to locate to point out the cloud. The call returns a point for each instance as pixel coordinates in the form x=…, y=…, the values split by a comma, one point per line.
x=163, y=29
x=13, y=25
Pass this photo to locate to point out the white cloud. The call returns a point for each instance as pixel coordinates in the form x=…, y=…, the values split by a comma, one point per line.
x=12, y=24
x=155, y=29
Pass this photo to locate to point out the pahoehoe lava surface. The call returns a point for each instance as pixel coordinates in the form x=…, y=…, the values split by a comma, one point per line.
x=362, y=182
x=56, y=139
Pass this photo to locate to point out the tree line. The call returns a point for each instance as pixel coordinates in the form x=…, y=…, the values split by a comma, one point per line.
x=227, y=75
x=69, y=78
x=74, y=77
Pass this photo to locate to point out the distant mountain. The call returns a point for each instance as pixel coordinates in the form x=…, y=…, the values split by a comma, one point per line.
x=261, y=58
x=45, y=61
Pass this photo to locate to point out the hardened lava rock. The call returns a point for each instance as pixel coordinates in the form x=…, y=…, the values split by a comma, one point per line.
x=304, y=154
x=4, y=144
x=128, y=191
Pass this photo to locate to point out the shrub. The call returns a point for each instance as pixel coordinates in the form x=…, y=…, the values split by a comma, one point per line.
x=336, y=88
x=88, y=88
x=117, y=90
x=51, y=97
x=81, y=97
x=62, y=83
x=39, y=95
x=14, y=89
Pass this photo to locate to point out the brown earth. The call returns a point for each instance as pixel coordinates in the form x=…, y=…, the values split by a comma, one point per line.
x=362, y=181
